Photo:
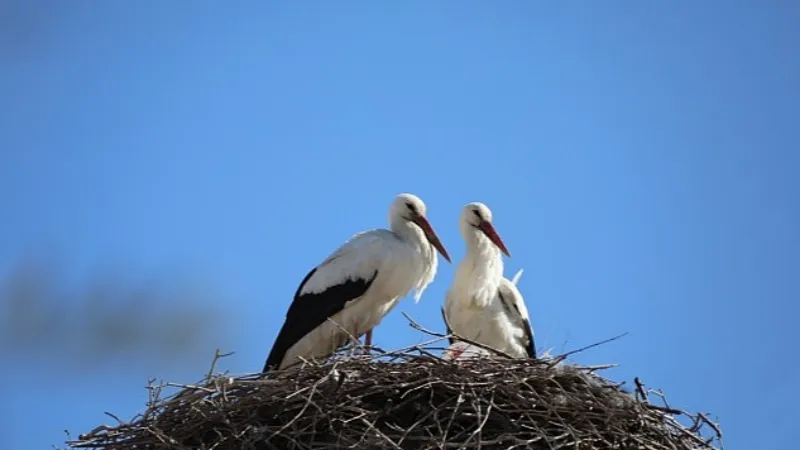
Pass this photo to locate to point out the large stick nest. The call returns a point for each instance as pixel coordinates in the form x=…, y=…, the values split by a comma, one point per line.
x=409, y=399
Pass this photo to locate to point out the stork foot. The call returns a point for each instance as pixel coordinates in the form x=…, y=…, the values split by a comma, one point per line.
x=368, y=341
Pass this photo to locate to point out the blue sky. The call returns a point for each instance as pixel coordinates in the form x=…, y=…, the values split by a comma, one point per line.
x=639, y=158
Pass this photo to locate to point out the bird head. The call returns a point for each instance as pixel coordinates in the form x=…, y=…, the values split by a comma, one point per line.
x=411, y=208
x=476, y=216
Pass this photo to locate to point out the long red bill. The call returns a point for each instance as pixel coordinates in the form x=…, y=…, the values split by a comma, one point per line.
x=431, y=235
x=491, y=233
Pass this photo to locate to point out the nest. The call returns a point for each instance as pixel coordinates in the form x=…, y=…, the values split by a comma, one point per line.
x=409, y=399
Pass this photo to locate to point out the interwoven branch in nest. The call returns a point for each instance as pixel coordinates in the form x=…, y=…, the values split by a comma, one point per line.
x=409, y=399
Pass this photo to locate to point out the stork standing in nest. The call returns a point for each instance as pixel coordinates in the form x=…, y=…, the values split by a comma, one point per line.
x=357, y=285
x=482, y=305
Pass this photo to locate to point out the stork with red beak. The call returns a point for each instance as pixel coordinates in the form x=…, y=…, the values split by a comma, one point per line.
x=521, y=341
x=349, y=293
x=482, y=305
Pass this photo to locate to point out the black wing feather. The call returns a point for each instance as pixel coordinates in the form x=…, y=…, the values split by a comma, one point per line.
x=447, y=328
x=308, y=311
x=530, y=346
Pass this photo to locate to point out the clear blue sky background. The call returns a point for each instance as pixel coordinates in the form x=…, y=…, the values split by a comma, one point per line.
x=640, y=159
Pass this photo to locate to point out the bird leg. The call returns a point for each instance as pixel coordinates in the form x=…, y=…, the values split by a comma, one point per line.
x=368, y=340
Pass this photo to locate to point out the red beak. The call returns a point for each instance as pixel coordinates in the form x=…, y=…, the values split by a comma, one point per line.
x=491, y=233
x=423, y=223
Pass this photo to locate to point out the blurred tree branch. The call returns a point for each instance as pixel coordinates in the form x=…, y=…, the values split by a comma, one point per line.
x=111, y=317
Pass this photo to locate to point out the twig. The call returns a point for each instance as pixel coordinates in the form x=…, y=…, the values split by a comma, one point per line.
x=381, y=434
x=640, y=389
x=711, y=424
x=564, y=356
x=419, y=327
x=217, y=357
x=113, y=417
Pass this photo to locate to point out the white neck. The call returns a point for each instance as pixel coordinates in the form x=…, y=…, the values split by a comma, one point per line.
x=427, y=262
x=408, y=231
x=479, y=274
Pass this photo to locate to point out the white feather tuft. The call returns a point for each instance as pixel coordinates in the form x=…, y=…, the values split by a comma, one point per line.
x=516, y=277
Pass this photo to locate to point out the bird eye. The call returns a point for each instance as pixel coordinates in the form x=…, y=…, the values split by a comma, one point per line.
x=477, y=213
x=411, y=207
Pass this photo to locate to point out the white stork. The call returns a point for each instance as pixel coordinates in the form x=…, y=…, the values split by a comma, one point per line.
x=482, y=305
x=358, y=285
x=522, y=342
